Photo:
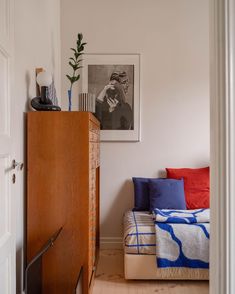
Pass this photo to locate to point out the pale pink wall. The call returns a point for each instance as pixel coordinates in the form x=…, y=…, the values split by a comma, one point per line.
x=173, y=40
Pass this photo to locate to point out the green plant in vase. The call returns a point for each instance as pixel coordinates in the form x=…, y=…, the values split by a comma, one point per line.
x=75, y=62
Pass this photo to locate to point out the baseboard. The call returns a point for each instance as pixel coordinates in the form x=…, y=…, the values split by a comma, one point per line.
x=111, y=243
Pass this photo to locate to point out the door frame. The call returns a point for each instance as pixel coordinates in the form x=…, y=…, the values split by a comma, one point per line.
x=222, y=133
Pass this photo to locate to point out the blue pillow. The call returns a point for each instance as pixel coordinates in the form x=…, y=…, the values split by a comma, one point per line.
x=141, y=193
x=166, y=194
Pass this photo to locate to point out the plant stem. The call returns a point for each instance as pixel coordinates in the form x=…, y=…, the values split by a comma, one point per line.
x=71, y=82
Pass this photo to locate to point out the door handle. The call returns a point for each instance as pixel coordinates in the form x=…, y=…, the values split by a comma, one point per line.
x=17, y=165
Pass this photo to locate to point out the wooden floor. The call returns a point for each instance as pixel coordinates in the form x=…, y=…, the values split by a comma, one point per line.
x=110, y=280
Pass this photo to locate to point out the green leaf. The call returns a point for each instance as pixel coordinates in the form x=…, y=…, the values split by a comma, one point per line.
x=71, y=58
x=71, y=64
x=77, y=55
x=70, y=78
x=77, y=77
x=73, y=50
x=80, y=36
x=74, y=66
x=73, y=80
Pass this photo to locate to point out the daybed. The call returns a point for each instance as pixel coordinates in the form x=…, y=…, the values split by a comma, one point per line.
x=166, y=235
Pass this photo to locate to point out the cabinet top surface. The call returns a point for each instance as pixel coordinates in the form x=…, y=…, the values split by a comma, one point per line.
x=54, y=114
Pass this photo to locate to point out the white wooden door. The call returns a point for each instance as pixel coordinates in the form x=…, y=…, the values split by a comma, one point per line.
x=7, y=215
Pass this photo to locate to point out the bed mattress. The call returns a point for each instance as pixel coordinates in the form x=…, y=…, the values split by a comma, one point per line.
x=139, y=233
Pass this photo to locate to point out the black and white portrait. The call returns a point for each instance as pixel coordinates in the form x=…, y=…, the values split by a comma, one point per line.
x=114, y=80
x=113, y=86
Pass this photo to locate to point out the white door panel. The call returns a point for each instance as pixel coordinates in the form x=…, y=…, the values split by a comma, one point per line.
x=5, y=145
x=4, y=276
x=6, y=261
x=4, y=19
x=3, y=201
x=7, y=213
x=6, y=24
x=4, y=92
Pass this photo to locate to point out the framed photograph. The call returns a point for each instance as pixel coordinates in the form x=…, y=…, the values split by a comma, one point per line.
x=114, y=79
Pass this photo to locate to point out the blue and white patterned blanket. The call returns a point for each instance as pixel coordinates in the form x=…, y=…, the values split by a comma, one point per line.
x=182, y=238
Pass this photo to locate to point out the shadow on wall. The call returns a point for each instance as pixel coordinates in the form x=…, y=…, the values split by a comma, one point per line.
x=123, y=201
x=28, y=98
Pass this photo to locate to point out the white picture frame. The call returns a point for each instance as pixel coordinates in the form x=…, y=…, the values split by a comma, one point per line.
x=97, y=72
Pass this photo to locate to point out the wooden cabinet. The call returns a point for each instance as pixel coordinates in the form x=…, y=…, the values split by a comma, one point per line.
x=63, y=191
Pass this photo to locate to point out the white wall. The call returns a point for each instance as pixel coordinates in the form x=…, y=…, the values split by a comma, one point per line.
x=173, y=40
x=37, y=44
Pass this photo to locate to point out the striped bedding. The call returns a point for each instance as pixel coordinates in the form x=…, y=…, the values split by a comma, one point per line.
x=139, y=233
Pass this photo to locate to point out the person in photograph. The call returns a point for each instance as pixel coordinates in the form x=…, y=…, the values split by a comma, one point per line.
x=112, y=109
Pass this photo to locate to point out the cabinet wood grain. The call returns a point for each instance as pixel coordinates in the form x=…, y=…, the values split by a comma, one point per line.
x=63, y=191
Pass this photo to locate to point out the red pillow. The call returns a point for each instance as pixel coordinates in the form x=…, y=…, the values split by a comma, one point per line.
x=196, y=185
